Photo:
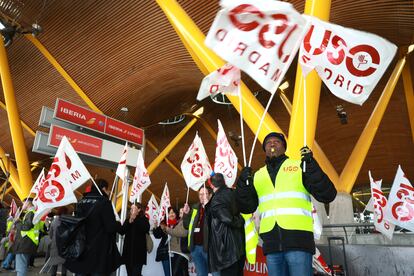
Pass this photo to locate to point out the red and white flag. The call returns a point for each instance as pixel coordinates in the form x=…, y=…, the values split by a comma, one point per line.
x=64, y=176
x=259, y=37
x=226, y=159
x=141, y=180
x=151, y=211
x=400, y=207
x=121, y=170
x=225, y=80
x=348, y=61
x=195, y=166
x=38, y=183
x=13, y=208
x=380, y=203
x=164, y=204
x=317, y=225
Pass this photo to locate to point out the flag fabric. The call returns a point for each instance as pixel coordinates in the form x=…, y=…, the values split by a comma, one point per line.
x=226, y=159
x=38, y=183
x=121, y=170
x=225, y=80
x=317, y=225
x=151, y=211
x=164, y=204
x=141, y=179
x=259, y=37
x=13, y=208
x=400, y=207
x=348, y=61
x=63, y=176
x=195, y=166
x=380, y=203
x=319, y=263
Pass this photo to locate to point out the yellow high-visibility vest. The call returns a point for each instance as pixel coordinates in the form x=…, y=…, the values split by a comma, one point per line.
x=287, y=203
x=34, y=232
x=251, y=238
x=190, y=227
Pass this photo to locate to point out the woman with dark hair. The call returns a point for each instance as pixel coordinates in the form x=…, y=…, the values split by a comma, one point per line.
x=174, y=228
x=134, y=254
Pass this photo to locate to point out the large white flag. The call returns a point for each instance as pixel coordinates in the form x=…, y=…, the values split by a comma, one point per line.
x=38, y=183
x=141, y=179
x=380, y=203
x=121, y=170
x=400, y=207
x=259, y=37
x=57, y=188
x=152, y=211
x=225, y=80
x=226, y=159
x=164, y=204
x=349, y=62
x=195, y=166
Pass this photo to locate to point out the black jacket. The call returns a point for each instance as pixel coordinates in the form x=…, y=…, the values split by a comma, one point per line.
x=316, y=182
x=135, y=243
x=226, y=235
x=101, y=255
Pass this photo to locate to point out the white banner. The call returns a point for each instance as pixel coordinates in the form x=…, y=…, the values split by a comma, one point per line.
x=225, y=80
x=400, y=207
x=226, y=159
x=141, y=180
x=164, y=204
x=259, y=37
x=38, y=183
x=349, y=62
x=380, y=202
x=152, y=211
x=195, y=166
x=317, y=225
x=121, y=170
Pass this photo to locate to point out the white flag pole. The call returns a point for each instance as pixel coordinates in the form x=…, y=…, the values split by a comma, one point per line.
x=169, y=244
x=94, y=183
x=260, y=126
x=188, y=192
x=113, y=186
x=304, y=119
x=242, y=125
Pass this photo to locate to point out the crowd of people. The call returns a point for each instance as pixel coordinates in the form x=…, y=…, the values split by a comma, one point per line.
x=211, y=233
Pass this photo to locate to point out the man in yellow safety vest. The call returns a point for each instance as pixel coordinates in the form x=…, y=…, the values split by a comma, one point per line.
x=281, y=192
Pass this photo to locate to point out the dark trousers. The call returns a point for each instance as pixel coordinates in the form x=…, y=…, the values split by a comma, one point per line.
x=53, y=270
x=179, y=265
x=235, y=269
x=134, y=270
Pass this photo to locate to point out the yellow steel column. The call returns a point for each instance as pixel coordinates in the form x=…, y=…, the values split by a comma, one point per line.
x=357, y=157
x=16, y=131
x=24, y=125
x=319, y=9
x=177, y=171
x=62, y=71
x=14, y=176
x=409, y=94
x=208, y=61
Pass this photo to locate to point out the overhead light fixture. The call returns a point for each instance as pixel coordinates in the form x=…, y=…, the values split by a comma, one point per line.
x=342, y=115
x=173, y=121
x=124, y=109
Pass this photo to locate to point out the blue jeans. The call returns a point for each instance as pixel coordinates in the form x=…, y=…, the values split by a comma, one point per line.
x=166, y=267
x=289, y=263
x=22, y=262
x=8, y=261
x=200, y=261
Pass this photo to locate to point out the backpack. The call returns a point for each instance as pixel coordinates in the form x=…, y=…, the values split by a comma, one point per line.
x=71, y=236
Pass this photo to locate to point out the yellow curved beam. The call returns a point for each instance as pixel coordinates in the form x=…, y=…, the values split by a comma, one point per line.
x=14, y=176
x=22, y=188
x=208, y=61
x=409, y=95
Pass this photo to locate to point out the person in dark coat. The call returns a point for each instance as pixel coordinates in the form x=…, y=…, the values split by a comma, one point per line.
x=55, y=260
x=134, y=254
x=101, y=256
x=226, y=236
x=281, y=191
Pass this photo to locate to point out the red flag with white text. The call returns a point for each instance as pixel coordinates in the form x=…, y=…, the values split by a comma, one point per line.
x=380, y=204
x=141, y=179
x=348, y=61
x=226, y=159
x=400, y=207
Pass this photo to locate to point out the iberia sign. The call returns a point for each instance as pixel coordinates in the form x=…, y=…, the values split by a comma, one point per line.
x=81, y=116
